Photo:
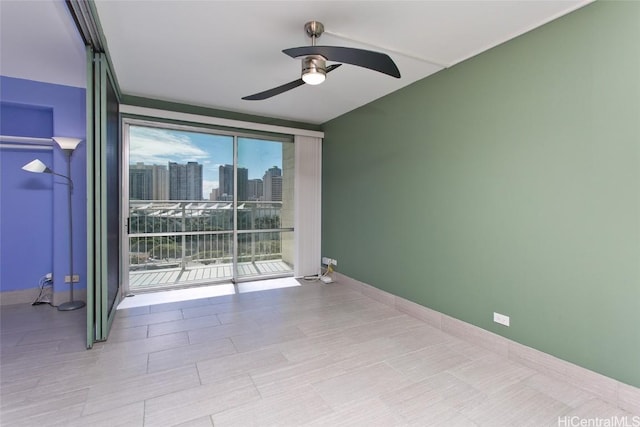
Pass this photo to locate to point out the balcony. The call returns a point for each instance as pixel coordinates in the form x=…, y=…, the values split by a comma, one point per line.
x=178, y=243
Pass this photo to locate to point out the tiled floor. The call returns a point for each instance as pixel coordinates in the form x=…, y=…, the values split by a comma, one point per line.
x=318, y=355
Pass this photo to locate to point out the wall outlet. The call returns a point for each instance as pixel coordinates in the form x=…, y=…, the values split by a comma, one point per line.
x=76, y=278
x=334, y=262
x=501, y=319
x=326, y=260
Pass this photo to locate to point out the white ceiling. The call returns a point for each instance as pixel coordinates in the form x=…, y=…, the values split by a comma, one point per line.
x=39, y=41
x=212, y=53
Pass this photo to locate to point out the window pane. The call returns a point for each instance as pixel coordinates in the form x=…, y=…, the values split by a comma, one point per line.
x=174, y=192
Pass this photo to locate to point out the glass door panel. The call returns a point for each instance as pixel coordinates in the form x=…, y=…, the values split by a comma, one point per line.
x=181, y=223
x=264, y=208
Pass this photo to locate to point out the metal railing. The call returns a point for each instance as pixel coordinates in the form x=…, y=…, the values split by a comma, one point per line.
x=169, y=234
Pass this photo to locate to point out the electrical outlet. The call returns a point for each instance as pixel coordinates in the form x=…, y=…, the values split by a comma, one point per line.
x=326, y=260
x=76, y=278
x=501, y=319
x=334, y=262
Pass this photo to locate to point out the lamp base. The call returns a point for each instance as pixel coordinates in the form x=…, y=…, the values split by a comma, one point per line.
x=71, y=305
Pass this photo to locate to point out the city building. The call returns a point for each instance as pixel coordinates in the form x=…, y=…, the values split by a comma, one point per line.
x=255, y=189
x=225, y=180
x=140, y=182
x=148, y=182
x=185, y=181
x=272, y=180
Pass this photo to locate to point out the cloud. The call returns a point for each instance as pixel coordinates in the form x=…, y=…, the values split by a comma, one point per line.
x=160, y=146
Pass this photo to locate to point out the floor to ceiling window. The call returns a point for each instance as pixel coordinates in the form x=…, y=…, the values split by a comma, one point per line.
x=206, y=206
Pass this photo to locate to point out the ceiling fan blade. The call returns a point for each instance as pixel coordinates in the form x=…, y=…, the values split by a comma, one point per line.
x=275, y=91
x=376, y=61
x=281, y=89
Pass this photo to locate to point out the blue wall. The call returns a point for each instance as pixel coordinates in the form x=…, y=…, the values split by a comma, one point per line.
x=33, y=208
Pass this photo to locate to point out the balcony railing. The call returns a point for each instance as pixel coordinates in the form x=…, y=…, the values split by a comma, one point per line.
x=193, y=234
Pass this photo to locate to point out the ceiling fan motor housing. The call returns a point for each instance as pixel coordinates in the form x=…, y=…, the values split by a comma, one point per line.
x=314, y=65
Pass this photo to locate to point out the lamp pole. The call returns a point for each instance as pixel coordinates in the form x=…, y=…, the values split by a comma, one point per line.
x=71, y=304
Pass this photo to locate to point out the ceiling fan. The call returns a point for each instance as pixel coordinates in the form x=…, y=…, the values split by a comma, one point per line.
x=314, y=58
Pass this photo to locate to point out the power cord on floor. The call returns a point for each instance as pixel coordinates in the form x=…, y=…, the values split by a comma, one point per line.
x=45, y=296
x=328, y=270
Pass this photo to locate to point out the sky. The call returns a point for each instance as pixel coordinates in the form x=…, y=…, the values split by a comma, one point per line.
x=155, y=146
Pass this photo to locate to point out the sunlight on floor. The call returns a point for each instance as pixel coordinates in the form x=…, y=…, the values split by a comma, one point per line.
x=163, y=297
x=263, y=285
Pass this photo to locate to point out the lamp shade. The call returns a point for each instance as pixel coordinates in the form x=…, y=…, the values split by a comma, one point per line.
x=36, y=166
x=67, y=143
x=313, y=77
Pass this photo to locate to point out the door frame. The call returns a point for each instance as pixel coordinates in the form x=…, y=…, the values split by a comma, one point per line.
x=132, y=120
x=101, y=262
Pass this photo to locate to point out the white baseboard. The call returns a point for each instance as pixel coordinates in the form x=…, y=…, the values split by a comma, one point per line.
x=622, y=395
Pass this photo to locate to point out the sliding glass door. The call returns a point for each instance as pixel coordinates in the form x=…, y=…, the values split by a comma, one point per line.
x=103, y=198
x=205, y=206
x=265, y=208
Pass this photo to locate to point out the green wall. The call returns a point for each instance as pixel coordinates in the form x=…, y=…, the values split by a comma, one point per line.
x=508, y=183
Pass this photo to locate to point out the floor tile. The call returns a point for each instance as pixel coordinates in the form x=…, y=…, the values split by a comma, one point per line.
x=112, y=395
x=124, y=416
x=146, y=319
x=559, y=390
x=274, y=380
x=251, y=362
x=216, y=332
x=428, y=361
x=292, y=407
x=491, y=374
x=189, y=355
x=205, y=421
x=369, y=382
x=265, y=337
x=516, y=405
x=441, y=395
x=182, y=325
x=369, y=412
x=196, y=402
x=147, y=345
x=32, y=412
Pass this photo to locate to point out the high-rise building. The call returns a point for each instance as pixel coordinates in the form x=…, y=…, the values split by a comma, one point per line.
x=185, y=181
x=225, y=180
x=148, y=182
x=272, y=183
x=160, y=178
x=140, y=182
x=255, y=189
x=243, y=184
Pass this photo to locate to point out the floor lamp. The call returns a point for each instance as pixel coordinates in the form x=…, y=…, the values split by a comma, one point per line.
x=68, y=145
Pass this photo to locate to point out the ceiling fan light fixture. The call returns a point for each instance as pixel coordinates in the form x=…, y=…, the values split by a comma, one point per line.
x=314, y=70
